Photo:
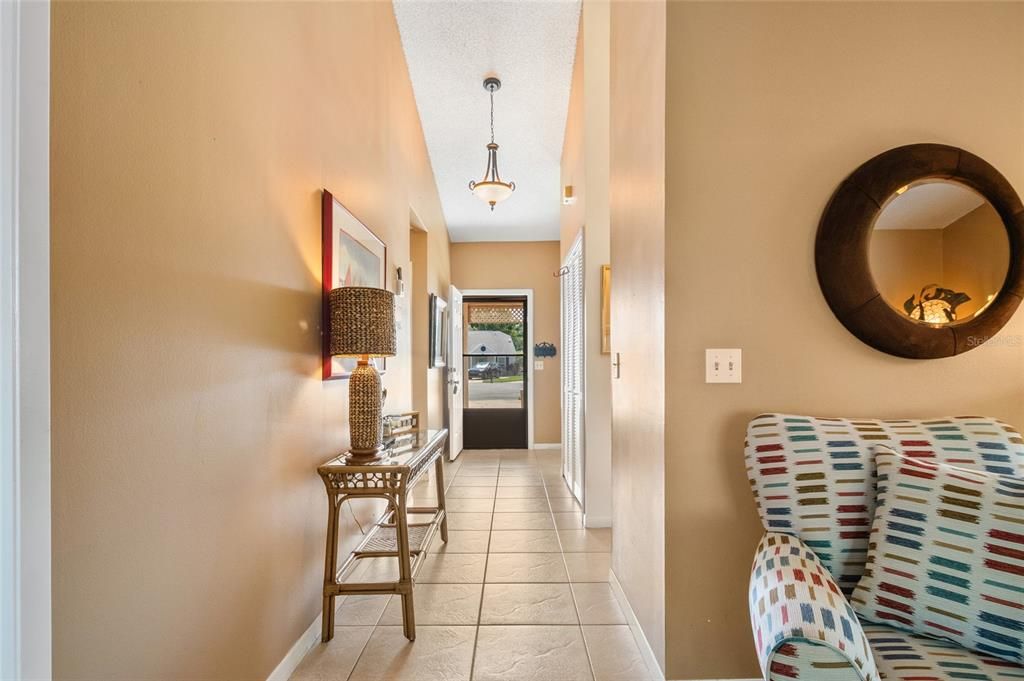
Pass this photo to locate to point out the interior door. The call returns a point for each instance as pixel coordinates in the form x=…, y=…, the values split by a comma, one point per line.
x=455, y=379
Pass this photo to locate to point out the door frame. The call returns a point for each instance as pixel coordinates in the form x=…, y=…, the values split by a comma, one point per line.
x=25, y=519
x=528, y=294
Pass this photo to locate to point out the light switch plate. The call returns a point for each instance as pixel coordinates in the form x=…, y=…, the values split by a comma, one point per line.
x=723, y=365
x=538, y=365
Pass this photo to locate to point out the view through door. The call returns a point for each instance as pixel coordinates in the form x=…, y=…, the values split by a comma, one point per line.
x=495, y=409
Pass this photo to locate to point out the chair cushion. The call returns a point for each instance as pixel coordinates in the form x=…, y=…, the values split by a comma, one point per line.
x=814, y=477
x=902, y=656
x=946, y=556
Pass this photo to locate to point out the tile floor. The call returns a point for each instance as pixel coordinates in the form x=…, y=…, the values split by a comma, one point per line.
x=519, y=593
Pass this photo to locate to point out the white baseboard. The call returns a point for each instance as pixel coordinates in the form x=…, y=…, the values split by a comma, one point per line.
x=646, y=652
x=547, y=445
x=291, y=660
x=591, y=520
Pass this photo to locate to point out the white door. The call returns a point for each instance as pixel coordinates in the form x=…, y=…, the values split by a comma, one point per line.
x=572, y=370
x=456, y=387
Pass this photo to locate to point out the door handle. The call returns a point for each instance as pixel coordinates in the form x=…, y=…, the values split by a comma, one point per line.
x=455, y=388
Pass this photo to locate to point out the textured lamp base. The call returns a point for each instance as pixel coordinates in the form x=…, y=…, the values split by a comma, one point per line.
x=365, y=420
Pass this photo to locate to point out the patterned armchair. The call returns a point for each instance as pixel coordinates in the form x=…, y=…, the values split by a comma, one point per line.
x=813, y=481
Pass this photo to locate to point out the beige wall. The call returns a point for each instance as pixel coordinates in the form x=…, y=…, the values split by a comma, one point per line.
x=573, y=169
x=189, y=145
x=770, y=106
x=975, y=257
x=904, y=260
x=637, y=199
x=584, y=165
x=523, y=265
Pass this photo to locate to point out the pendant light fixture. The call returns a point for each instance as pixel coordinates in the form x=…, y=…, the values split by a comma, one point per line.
x=491, y=189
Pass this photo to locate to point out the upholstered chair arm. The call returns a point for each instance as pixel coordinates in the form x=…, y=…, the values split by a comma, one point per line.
x=804, y=628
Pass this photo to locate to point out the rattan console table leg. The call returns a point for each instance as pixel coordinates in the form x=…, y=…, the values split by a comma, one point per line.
x=405, y=569
x=330, y=567
x=439, y=477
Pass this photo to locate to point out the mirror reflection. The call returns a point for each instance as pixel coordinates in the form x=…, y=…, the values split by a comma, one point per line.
x=939, y=252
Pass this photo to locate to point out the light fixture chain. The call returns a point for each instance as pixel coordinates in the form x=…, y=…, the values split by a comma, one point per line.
x=492, y=115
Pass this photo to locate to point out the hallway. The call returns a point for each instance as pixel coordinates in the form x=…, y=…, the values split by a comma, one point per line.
x=519, y=593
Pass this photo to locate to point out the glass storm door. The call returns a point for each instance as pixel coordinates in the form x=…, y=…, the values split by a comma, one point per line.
x=494, y=373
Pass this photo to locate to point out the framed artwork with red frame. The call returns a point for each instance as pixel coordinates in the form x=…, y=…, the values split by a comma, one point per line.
x=352, y=256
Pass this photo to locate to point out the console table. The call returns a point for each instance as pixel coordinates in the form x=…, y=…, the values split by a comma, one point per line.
x=405, y=460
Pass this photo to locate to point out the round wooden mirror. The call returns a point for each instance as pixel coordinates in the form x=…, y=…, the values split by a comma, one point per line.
x=919, y=251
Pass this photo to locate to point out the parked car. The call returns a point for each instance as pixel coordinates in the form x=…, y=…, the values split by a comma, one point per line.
x=485, y=370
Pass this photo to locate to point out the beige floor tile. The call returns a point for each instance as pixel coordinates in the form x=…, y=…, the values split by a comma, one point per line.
x=558, y=491
x=526, y=568
x=469, y=505
x=461, y=541
x=477, y=472
x=360, y=610
x=521, y=506
x=531, y=653
x=333, y=661
x=588, y=567
x=469, y=521
x=453, y=568
x=474, y=481
x=569, y=521
x=586, y=541
x=536, y=492
x=374, y=570
x=614, y=654
x=470, y=493
x=426, y=497
x=520, y=481
x=597, y=604
x=527, y=604
x=523, y=521
x=478, y=468
x=438, y=654
x=564, y=505
x=450, y=604
x=524, y=541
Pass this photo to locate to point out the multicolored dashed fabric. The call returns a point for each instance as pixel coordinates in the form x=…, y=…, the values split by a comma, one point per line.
x=902, y=656
x=946, y=555
x=814, y=477
x=803, y=626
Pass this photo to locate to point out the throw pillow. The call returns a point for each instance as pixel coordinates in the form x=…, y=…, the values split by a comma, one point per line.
x=946, y=555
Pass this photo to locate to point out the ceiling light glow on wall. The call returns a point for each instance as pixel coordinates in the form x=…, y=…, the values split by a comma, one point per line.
x=491, y=189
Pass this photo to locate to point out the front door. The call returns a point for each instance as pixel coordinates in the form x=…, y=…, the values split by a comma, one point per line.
x=455, y=376
x=494, y=355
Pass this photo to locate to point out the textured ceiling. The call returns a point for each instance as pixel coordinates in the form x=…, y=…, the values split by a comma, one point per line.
x=451, y=46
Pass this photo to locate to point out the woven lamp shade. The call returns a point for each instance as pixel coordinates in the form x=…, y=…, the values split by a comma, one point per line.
x=362, y=322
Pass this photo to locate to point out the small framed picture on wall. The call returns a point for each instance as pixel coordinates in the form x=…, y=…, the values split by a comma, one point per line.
x=352, y=256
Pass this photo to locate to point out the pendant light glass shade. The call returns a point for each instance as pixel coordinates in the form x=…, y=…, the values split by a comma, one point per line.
x=492, y=190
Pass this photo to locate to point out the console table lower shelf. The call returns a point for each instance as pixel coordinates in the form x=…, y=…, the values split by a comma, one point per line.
x=392, y=536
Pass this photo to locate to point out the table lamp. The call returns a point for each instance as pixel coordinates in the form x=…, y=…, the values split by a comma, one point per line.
x=363, y=326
